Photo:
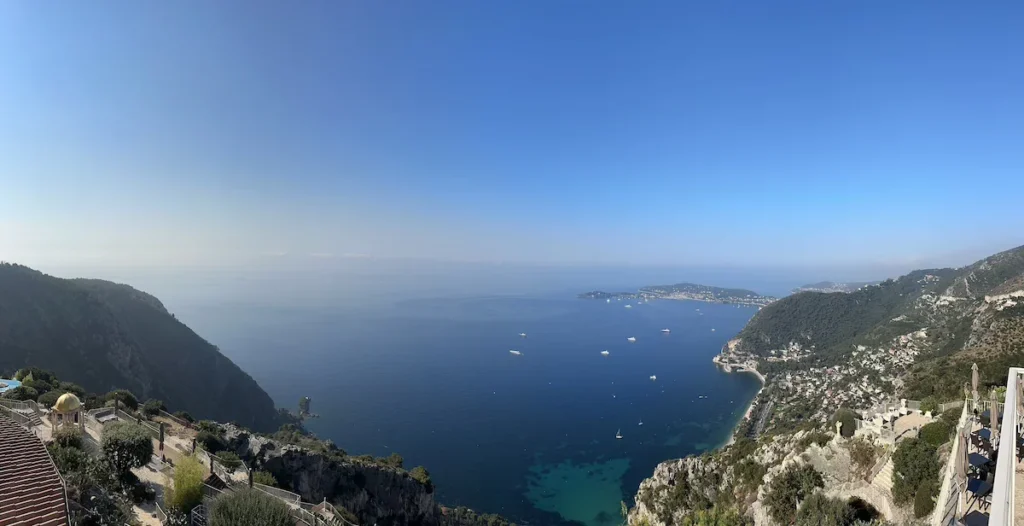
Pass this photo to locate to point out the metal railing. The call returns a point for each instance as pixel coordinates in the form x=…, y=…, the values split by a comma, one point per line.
x=948, y=502
x=1003, y=487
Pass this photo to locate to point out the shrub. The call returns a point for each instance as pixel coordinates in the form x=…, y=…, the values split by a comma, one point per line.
x=716, y=516
x=153, y=407
x=67, y=459
x=394, y=460
x=68, y=436
x=849, y=420
x=936, y=433
x=229, y=460
x=819, y=510
x=815, y=437
x=749, y=473
x=789, y=489
x=70, y=387
x=421, y=475
x=125, y=446
x=212, y=443
x=930, y=403
x=187, y=491
x=249, y=508
x=924, y=499
x=863, y=454
x=265, y=478
x=40, y=386
x=49, y=398
x=22, y=392
x=185, y=416
x=142, y=492
x=914, y=463
x=126, y=398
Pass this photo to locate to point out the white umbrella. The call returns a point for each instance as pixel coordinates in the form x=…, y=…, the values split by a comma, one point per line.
x=994, y=412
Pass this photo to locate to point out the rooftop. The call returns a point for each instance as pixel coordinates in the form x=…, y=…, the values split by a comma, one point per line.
x=31, y=490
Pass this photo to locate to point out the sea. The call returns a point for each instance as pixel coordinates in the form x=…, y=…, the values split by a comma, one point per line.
x=425, y=370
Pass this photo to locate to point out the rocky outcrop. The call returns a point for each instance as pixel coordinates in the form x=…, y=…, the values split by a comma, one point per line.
x=375, y=493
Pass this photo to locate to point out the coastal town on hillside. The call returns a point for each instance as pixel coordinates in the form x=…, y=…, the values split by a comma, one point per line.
x=865, y=382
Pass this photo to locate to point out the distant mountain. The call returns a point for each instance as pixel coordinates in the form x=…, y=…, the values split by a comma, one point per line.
x=833, y=286
x=687, y=291
x=104, y=336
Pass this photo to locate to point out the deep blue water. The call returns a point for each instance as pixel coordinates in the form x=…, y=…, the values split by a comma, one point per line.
x=531, y=436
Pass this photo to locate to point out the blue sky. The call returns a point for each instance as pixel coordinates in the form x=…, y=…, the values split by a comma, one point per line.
x=568, y=132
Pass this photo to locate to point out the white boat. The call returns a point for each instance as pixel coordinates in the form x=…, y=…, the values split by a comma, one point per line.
x=641, y=422
x=618, y=434
x=515, y=353
x=712, y=330
x=522, y=335
x=653, y=377
x=629, y=306
x=605, y=353
x=609, y=300
x=631, y=339
x=666, y=331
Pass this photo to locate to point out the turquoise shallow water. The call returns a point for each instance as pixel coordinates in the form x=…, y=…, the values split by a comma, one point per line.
x=531, y=436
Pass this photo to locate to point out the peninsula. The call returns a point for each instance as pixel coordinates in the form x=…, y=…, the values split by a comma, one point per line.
x=687, y=291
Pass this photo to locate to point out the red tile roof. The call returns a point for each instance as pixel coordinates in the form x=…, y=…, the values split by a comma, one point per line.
x=31, y=490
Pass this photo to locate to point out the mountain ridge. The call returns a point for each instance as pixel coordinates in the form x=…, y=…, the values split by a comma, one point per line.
x=104, y=335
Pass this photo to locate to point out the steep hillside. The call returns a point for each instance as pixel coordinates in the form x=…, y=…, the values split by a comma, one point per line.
x=104, y=335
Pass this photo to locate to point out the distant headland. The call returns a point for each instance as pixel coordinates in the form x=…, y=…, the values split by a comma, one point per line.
x=686, y=291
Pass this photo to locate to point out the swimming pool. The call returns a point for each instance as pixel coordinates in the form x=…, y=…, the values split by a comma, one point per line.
x=6, y=385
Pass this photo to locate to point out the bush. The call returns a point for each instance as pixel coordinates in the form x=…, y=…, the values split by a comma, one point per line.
x=849, y=420
x=716, y=516
x=394, y=460
x=125, y=446
x=229, y=460
x=187, y=490
x=69, y=387
x=936, y=433
x=126, y=398
x=789, y=489
x=924, y=499
x=249, y=508
x=863, y=454
x=68, y=436
x=185, y=416
x=212, y=443
x=49, y=398
x=815, y=437
x=22, y=393
x=39, y=385
x=152, y=407
x=421, y=475
x=930, y=403
x=142, y=492
x=67, y=459
x=265, y=478
x=819, y=510
x=915, y=463
x=749, y=473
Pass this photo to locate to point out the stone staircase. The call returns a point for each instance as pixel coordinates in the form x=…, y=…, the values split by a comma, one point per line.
x=883, y=480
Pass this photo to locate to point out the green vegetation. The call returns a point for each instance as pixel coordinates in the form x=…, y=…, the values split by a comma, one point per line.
x=815, y=437
x=863, y=454
x=936, y=433
x=125, y=399
x=749, y=473
x=187, y=490
x=394, y=460
x=819, y=510
x=68, y=436
x=716, y=516
x=229, y=460
x=848, y=418
x=49, y=398
x=915, y=465
x=789, y=489
x=72, y=325
x=126, y=445
x=21, y=393
x=421, y=475
x=924, y=498
x=153, y=407
x=265, y=478
x=249, y=508
x=462, y=516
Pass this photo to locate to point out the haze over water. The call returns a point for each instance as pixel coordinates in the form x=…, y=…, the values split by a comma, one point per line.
x=531, y=437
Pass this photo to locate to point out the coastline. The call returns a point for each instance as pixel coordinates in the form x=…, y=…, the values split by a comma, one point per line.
x=729, y=368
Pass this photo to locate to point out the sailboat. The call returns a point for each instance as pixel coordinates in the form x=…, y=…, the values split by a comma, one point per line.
x=631, y=339
x=605, y=353
x=629, y=306
x=515, y=353
x=666, y=331
x=641, y=422
x=618, y=434
x=522, y=335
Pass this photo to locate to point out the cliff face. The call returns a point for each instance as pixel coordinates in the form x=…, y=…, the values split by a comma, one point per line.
x=375, y=494
x=106, y=336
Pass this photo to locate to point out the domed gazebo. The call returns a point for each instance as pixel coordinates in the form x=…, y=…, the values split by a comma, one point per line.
x=67, y=412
